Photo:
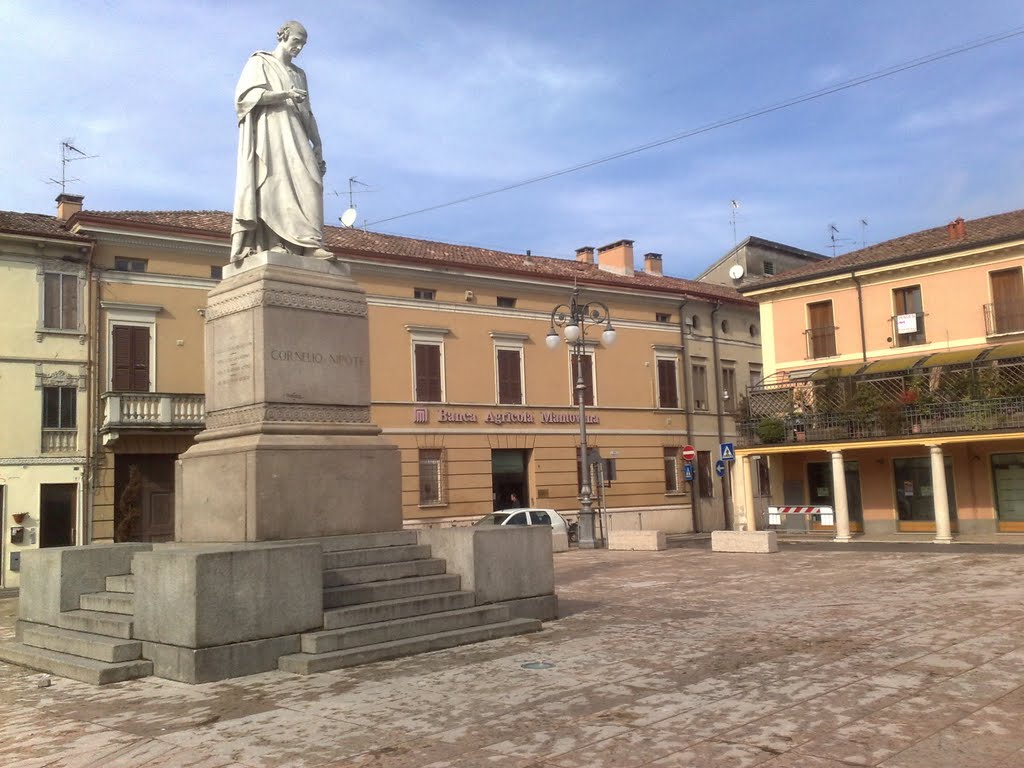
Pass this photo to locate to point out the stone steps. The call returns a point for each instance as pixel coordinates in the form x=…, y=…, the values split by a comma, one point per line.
x=365, y=574
x=400, y=608
x=375, y=591
x=400, y=629
x=97, y=623
x=83, y=644
x=306, y=663
x=74, y=667
x=351, y=558
x=123, y=583
x=108, y=602
x=367, y=541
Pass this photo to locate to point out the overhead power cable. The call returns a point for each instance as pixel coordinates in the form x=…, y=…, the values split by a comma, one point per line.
x=724, y=122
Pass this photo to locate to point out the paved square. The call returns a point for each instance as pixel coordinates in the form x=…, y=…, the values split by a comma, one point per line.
x=804, y=659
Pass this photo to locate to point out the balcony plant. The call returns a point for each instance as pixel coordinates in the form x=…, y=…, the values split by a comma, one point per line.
x=771, y=430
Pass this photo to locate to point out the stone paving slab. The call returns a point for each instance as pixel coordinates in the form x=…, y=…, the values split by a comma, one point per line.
x=810, y=658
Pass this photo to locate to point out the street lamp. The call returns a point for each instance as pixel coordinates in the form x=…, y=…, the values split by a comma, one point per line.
x=575, y=320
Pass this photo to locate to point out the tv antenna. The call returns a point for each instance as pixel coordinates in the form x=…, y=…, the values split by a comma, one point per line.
x=69, y=153
x=735, y=207
x=863, y=230
x=837, y=242
x=348, y=218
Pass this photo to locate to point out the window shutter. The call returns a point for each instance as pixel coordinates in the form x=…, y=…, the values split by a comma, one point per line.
x=130, y=359
x=668, y=396
x=510, y=390
x=51, y=301
x=428, y=373
x=69, y=302
x=588, y=379
x=140, y=360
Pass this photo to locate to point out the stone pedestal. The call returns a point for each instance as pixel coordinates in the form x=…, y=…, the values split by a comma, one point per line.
x=289, y=450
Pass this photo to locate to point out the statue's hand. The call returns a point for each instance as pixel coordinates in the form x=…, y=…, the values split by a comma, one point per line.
x=297, y=95
x=323, y=166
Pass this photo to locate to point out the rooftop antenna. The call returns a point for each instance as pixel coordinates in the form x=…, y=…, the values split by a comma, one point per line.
x=69, y=153
x=348, y=218
x=735, y=208
x=833, y=231
x=863, y=230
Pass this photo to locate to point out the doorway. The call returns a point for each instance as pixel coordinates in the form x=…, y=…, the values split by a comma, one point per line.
x=509, y=482
x=1008, y=480
x=821, y=491
x=915, y=501
x=57, y=507
x=144, y=497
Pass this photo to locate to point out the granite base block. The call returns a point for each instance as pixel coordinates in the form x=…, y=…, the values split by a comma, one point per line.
x=744, y=541
x=208, y=665
x=648, y=541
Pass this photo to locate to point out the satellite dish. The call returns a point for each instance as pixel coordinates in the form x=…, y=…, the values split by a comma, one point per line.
x=736, y=271
x=348, y=218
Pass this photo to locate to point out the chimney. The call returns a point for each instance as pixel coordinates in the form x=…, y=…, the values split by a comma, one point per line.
x=585, y=254
x=957, y=229
x=652, y=263
x=616, y=257
x=68, y=205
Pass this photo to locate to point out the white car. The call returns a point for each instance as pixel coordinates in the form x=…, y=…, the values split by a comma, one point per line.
x=532, y=516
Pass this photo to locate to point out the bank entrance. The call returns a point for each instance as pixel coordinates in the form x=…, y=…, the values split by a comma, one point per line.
x=509, y=480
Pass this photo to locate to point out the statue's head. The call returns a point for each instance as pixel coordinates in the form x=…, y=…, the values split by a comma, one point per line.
x=290, y=29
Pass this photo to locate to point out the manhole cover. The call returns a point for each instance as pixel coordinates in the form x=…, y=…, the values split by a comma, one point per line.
x=538, y=665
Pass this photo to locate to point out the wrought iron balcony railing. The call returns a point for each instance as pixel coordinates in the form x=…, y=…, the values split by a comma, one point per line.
x=152, y=410
x=1004, y=318
x=821, y=342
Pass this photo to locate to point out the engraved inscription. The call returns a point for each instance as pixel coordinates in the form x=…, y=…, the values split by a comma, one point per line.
x=342, y=359
x=232, y=364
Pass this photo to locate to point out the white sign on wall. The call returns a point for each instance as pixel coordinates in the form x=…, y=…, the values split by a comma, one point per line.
x=906, y=323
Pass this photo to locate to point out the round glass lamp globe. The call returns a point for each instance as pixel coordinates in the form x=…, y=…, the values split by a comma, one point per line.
x=608, y=337
x=572, y=332
x=552, y=339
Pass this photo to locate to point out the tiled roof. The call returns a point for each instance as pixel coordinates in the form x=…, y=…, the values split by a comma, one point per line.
x=374, y=246
x=35, y=224
x=989, y=230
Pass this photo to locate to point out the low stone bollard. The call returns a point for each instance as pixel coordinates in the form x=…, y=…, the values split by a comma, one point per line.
x=648, y=541
x=744, y=541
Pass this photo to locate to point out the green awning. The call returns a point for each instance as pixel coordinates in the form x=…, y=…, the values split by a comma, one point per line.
x=1003, y=351
x=802, y=375
x=955, y=357
x=836, y=371
x=892, y=364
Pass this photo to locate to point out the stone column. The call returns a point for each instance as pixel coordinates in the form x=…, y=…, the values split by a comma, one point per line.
x=842, y=503
x=747, y=490
x=940, y=498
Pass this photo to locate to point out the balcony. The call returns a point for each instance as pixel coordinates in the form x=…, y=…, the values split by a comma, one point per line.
x=1004, y=318
x=931, y=396
x=59, y=441
x=135, y=411
x=821, y=342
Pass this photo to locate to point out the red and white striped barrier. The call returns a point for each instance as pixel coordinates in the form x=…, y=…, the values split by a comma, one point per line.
x=825, y=513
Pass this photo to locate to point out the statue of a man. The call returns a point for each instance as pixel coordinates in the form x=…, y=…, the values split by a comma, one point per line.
x=279, y=189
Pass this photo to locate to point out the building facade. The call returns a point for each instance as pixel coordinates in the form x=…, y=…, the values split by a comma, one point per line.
x=894, y=386
x=484, y=412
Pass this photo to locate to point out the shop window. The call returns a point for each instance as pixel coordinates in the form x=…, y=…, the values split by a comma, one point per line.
x=915, y=499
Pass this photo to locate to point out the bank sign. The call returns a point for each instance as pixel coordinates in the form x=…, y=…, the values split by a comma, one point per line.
x=446, y=416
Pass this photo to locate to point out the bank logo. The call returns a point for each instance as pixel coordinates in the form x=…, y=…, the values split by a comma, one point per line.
x=420, y=416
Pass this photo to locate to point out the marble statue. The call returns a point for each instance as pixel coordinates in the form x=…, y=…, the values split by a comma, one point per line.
x=279, y=190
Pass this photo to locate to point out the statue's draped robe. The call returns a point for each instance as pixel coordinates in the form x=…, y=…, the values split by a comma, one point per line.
x=278, y=184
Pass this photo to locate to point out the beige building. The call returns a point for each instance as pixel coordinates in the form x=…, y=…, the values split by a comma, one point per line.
x=461, y=377
x=894, y=385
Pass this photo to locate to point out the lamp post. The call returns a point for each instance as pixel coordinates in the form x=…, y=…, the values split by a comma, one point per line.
x=575, y=319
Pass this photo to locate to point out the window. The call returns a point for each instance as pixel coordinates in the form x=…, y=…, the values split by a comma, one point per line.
x=756, y=373
x=699, y=375
x=672, y=477
x=510, y=376
x=668, y=385
x=586, y=360
x=821, y=330
x=217, y=272
x=60, y=301
x=508, y=302
x=124, y=264
x=427, y=374
x=130, y=359
x=694, y=322
x=768, y=267
x=908, y=322
x=431, y=475
x=705, y=487
x=725, y=326
x=729, y=393
x=662, y=317
x=764, y=478
x=1006, y=314
x=59, y=405
x=427, y=294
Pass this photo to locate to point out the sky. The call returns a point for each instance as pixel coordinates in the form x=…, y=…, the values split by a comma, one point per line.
x=429, y=101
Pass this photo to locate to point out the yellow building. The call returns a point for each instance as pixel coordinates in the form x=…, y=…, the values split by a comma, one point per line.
x=894, y=386
x=461, y=377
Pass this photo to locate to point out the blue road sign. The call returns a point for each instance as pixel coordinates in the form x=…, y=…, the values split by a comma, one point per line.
x=720, y=467
x=728, y=452
x=688, y=471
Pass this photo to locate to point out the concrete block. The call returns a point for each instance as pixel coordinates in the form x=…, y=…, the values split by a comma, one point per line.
x=197, y=597
x=559, y=541
x=74, y=667
x=648, y=541
x=543, y=608
x=207, y=665
x=497, y=563
x=744, y=541
x=53, y=579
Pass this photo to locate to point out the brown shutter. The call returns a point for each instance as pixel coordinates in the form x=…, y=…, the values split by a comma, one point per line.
x=130, y=359
x=510, y=389
x=588, y=378
x=668, y=393
x=51, y=301
x=823, y=334
x=428, y=373
x=69, y=302
x=1008, y=300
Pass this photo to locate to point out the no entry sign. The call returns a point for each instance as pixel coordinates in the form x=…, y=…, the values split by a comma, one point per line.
x=689, y=453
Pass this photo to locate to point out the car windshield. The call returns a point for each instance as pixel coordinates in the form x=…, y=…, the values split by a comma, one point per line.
x=496, y=519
